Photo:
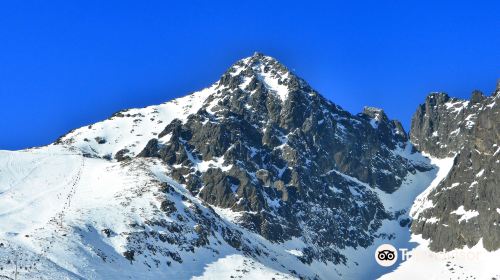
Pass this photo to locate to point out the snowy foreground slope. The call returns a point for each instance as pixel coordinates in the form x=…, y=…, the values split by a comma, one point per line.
x=255, y=177
x=63, y=215
x=57, y=233
x=463, y=263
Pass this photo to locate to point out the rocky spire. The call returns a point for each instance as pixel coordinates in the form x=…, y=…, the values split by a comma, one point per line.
x=375, y=113
x=477, y=96
x=497, y=90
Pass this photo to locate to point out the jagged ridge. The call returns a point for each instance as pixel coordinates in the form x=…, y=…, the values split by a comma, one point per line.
x=464, y=208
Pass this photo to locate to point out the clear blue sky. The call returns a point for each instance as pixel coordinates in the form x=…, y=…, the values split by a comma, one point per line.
x=64, y=64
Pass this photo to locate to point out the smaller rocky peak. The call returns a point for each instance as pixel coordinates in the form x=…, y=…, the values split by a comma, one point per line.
x=375, y=116
x=258, y=63
x=497, y=89
x=262, y=71
x=387, y=129
x=258, y=54
x=477, y=97
x=262, y=63
x=375, y=113
x=399, y=129
x=437, y=98
x=444, y=125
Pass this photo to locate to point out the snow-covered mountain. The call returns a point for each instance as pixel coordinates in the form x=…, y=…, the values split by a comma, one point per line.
x=256, y=176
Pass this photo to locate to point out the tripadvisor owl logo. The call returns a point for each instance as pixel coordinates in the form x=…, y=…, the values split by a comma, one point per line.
x=386, y=255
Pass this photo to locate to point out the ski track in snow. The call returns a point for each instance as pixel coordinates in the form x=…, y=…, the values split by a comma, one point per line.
x=20, y=202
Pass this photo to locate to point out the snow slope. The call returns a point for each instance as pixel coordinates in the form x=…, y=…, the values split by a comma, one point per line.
x=423, y=202
x=244, y=267
x=66, y=216
x=132, y=129
x=31, y=193
x=56, y=204
x=466, y=263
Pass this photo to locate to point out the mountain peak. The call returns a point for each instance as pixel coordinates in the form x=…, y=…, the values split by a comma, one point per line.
x=260, y=70
x=375, y=113
x=437, y=98
x=258, y=54
x=261, y=63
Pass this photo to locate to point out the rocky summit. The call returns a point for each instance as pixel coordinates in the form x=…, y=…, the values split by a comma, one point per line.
x=256, y=176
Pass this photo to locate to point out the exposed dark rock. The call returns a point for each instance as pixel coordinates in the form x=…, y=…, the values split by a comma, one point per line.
x=108, y=232
x=477, y=97
x=168, y=207
x=100, y=140
x=151, y=149
x=129, y=255
x=470, y=132
x=121, y=155
x=107, y=157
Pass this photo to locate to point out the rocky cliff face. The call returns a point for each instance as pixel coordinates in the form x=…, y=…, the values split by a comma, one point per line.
x=465, y=207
